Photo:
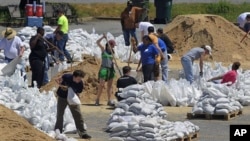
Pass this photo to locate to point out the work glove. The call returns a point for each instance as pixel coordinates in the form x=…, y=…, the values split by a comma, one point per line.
x=201, y=74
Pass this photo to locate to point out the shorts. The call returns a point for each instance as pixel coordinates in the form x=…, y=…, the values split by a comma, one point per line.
x=156, y=70
x=106, y=73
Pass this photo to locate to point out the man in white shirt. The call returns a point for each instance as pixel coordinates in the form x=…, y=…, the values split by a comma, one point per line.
x=143, y=28
x=11, y=44
x=241, y=20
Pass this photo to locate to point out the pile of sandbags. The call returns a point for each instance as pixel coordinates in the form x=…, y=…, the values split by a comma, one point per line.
x=140, y=117
x=37, y=108
x=216, y=99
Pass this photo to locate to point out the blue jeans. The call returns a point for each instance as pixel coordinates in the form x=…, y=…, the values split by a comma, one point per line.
x=188, y=70
x=62, y=46
x=126, y=35
x=164, y=67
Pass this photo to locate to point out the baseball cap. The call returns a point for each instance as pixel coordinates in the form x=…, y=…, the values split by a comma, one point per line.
x=207, y=47
x=112, y=42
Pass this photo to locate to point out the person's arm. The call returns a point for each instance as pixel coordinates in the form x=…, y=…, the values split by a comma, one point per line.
x=59, y=81
x=154, y=39
x=122, y=20
x=98, y=42
x=142, y=34
x=21, y=51
x=215, y=78
x=201, y=63
x=58, y=28
x=138, y=66
x=34, y=40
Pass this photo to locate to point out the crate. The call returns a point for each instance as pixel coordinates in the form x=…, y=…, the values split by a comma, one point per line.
x=190, y=137
x=230, y=115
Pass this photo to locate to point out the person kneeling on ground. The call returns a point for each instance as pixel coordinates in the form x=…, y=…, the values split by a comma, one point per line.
x=230, y=76
x=75, y=82
x=124, y=81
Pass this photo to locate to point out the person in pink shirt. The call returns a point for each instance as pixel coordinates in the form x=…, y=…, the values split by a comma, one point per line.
x=230, y=76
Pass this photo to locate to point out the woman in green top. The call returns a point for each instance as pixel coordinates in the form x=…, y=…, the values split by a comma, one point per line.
x=106, y=72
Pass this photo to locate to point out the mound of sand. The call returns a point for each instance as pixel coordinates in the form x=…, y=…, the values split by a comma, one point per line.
x=16, y=128
x=90, y=66
x=188, y=31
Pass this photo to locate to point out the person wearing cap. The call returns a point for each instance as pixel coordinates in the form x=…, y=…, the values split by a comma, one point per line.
x=11, y=44
x=229, y=77
x=247, y=24
x=63, y=25
x=129, y=17
x=107, y=71
x=194, y=54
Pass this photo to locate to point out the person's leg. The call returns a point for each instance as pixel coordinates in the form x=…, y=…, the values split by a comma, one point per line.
x=46, y=68
x=65, y=51
x=37, y=68
x=164, y=67
x=188, y=70
x=147, y=71
x=61, y=105
x=109, y=90
x=79, y=121
x=126, y=37
x=133, y=34
x=60, y=45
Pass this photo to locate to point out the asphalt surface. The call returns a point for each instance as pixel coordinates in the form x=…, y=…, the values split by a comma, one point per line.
x=97, y=117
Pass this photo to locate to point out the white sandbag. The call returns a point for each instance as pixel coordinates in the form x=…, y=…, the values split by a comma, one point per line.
x=166, y=97
x=135, y=133
x=197, y=110
x=118, y=111
x=116, y=139
x=139, y=77
x=135, y=107
x=130, y=139
x=136, y=87
x=222, y=100
x=221, y=111
x=124, y=106
x=119, y=127
x=133, y=125
x=148, y=123
x=146, y=111
x=208, y=109
x=123, y=133
x=224, y=106
x=141, y=138
x=72, y=98
x=131, y=100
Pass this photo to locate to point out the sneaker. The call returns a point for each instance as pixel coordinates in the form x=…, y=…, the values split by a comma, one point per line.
x=86, y=136
x=97, y=102
x=69, y=61
x=110, y=104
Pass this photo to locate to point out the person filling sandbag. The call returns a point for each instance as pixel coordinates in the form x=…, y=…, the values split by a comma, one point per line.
x=194, y=54
x=230, y=76
x=124, y=81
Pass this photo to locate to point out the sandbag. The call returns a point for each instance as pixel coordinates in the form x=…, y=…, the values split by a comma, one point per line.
x=72, y=98
x=119, y=127
x=224, y=106
x=116, y=139
x=221, y=111
x=166, y=97
x=222, y=100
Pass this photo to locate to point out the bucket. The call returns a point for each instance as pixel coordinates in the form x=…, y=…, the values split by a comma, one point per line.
x=29, y=10
x=39, y=10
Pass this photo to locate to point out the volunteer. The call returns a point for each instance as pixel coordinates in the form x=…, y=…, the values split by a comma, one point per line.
x=75, y=82
x=107, y=71
x=194, y=54
x=247, y=24
x=148, y=55
x=143, y=28
x=241, y=20
x=129, y=17
x=230, y=77
x=167, y=41
x=63, y=25
x=124, y=81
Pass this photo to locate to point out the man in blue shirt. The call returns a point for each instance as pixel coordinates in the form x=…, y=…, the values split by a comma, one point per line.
x=75, y=82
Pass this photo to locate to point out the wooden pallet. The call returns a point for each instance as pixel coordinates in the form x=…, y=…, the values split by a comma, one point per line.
x=228, y=116
x=190, y=137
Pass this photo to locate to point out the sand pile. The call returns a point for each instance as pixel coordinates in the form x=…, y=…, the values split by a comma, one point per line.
x=90, y=66
x=187, y=31
x=15, y=128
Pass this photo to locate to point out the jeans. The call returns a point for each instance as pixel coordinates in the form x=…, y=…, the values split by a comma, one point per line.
x=164, y=66
x=37, y=68
x=188, y=70
x=62, y=103
x=126, y=35
x=46, y=69
x=62, y=46
x=148, y=72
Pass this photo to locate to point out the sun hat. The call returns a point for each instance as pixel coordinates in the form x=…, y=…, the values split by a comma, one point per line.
x=9, y=33
x=207, y=47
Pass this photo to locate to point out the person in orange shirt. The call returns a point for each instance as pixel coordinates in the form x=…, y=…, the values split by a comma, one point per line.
x=129, y=17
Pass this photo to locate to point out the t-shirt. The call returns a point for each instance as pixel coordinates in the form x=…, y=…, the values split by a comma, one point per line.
x=125, y=81
x=230, y=76
x=148, y=54
x=130, y=17
x=107, y=60
x=162, y=45
x=247, y=27
x=194, y=53
x=241, y=20
x=11, y=47
x=143, y=26
x=154, y=38
x=63, y=22
x=168, y=43
x=68, y=81
x=39, y=51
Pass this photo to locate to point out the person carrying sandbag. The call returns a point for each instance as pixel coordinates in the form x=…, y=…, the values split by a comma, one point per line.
x=73, y=82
